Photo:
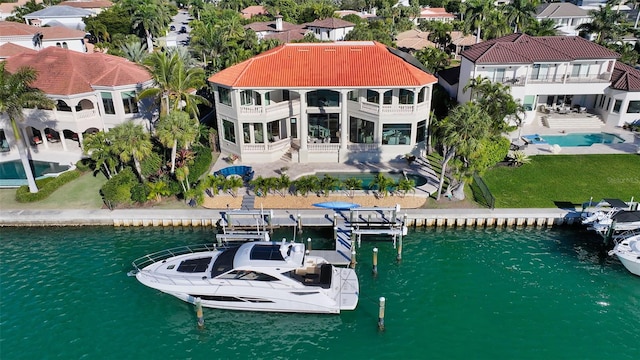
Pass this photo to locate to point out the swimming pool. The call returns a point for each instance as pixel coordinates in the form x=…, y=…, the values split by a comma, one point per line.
x=12, y=172
x=587, y=139
x=367, y=177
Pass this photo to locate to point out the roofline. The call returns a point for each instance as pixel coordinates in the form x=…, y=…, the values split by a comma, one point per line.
x=319, y=87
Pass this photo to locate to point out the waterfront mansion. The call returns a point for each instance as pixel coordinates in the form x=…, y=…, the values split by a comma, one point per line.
x=352, y=101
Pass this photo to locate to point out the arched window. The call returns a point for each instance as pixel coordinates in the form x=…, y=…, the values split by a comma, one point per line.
x=58, y=45
x=64, y=45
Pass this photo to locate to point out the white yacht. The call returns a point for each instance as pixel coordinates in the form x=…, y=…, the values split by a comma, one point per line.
x=627, y=249
x=255, y=276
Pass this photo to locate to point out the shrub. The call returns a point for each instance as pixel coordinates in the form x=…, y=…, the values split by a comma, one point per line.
x=151, y=164
x=85, y=165
x=201, y=163
x=46, y=187
x=117, y=190
x=139, y=193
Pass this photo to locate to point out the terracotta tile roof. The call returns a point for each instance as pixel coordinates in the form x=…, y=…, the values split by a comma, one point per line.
x=428, y=12
x=10, y=28
x=625, y=77
x=330, y=23
x=287, y=36
x=11, y=49
x=523, y=49
x=88, y=4
x=66, y=72
x=271, y=26
x=317, y=65
x=253, y=10
x=8, y=8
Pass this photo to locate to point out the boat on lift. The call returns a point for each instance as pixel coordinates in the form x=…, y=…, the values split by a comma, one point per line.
x=627, y=249
x=254, y=276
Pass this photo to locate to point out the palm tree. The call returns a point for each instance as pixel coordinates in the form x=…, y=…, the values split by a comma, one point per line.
x=440, y=34
x=476, y=13
x=433, y=59
x=383, y=184
x=158, y=189
x=406, y=185
x=520, y=13
x=16, y=93
x=176, y=129
x=132, y=142
x=306, y=184
x=352, y=184
x=496, y=25
x=604, y=23
x=233, y=183
x=98, y=147
x=328, y=183
x=134, y=51
x=283, y=184
x=151, y=17
x=545, y=27
x=460, y=133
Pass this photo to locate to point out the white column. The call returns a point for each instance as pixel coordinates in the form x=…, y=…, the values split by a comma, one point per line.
x=304, y=122
x=344, y=122
x=265, y=136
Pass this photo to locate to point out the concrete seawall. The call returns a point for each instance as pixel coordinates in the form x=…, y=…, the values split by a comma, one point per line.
x=314, y=218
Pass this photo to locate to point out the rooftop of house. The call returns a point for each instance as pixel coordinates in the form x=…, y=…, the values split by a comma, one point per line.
x=271, y=26
x=10, y=49
x=524, y=49
x=330, y=23
x=58, y=11
x=625, y=77
x=253, y=10
x=314, y=65
x=88, y=4
x=451, y=75
x=67, y=72
x=560, y=10
x=435, y=12
x=361, y=14
x=287, y=36
x=13, y=29
x=7, y=8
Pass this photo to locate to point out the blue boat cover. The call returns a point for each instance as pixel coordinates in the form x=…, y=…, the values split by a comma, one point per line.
x=337, y=205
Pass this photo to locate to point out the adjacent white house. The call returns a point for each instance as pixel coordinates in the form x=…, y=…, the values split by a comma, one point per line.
x=349, y=101
x=556, y=75
x=95, y=6
x=38, y=38
x=434, y=14
x=92, y=92
x=59, y=15
x=8, y=8
x=277, y=29
x=330, y=29
x=566, y=16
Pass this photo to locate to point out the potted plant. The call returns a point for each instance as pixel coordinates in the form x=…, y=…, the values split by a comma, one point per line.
x=410, y=158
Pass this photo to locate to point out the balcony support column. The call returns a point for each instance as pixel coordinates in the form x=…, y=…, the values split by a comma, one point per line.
x=304, y=128
x=344, y=124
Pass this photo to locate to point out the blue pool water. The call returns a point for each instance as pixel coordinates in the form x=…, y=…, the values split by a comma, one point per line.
x=580, y=139
x=13, y=170
x=367, y=177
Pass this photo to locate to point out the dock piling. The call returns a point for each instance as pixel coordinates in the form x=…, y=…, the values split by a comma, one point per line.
x=375, y=262
x=382, y=301
x=199, y=314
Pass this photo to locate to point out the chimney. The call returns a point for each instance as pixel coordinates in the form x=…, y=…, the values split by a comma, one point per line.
x=279, y=23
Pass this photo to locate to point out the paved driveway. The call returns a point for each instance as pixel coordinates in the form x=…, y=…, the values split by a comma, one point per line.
x=180, y=20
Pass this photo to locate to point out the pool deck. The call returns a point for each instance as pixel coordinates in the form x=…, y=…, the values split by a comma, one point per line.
x=631, y=143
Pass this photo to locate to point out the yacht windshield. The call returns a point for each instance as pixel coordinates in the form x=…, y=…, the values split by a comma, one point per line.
x=224, y=262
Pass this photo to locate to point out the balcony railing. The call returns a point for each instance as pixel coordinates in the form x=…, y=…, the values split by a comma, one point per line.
x=363, y=147
x=322, y=147
x=390, y=109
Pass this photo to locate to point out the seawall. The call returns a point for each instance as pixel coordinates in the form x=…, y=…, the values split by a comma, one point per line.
x=317, y=218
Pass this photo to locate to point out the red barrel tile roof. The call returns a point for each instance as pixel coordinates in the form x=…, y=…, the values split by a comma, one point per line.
x=340, y=64
x=66, y=72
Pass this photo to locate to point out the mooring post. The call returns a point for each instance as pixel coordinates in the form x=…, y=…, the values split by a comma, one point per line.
x=375, y=262
x=381, y=314
x=199, y=314
x=308, y=244
x=353, y=259
x=299, y=224
x=399, y=257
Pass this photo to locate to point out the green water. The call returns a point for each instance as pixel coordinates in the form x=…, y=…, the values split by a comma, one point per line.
x=457, y=294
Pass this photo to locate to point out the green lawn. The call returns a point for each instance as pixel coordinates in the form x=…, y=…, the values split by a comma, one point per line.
x=550, y=180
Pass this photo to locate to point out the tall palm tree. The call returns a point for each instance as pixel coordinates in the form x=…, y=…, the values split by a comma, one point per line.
x=545, y=27
x=352, y=184
x=520, y=13
x=131, y=142
x=151, y=17
x=98, y=147
x=476, y=14
x=383, y=184
x=176, y=129
x=460, y=134
x=16, y=93
x=496, y=25
x=604, y=23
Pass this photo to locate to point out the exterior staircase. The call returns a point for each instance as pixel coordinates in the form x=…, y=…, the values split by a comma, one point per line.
x=586, y=121
x=248, y=201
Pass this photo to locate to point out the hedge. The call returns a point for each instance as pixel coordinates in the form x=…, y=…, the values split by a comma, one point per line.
x=46, y=186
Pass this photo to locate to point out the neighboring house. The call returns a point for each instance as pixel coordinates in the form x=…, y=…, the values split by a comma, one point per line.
x=95, y=6
x=8, y=50
x=324, y=102
x=330, y=29
x=251, y=11
x=415, y=40
x=24, y=35
x=555, y=73
x=8, y=9
x=59, y=15
x=277, y=29
x=362, y=14
x=448, y=79
x=566, y=16
x=434, y=14
x=92, y=91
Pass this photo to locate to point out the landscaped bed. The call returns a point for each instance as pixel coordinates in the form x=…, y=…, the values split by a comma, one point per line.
x=552, y=181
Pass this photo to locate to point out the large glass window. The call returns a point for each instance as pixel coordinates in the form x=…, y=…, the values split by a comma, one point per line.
x=373, y=96
x=539, y=71
x=353, y=95
x=387, y=97
x=580, y=70
x=107, y=102
x=246, y=131
x=321, y=98
x=229, y=131
x=130, y=102
x=324, y=128
x=249, y=97
x=421, y=131
x=634, y=107
x=258, y=133
x=225, y=95
x=361, y=131
x=273, y=129
x=406, y=96
x=496, y=75
x=396, y=134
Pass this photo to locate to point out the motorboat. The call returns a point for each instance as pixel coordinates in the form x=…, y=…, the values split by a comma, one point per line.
x=627, y=249
x=605, y=209
x=622, y=220
x=254, y=276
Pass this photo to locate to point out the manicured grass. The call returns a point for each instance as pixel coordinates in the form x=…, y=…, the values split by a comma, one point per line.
x=559, y=180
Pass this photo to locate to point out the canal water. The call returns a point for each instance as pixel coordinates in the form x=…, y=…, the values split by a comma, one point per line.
x=457, y=294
